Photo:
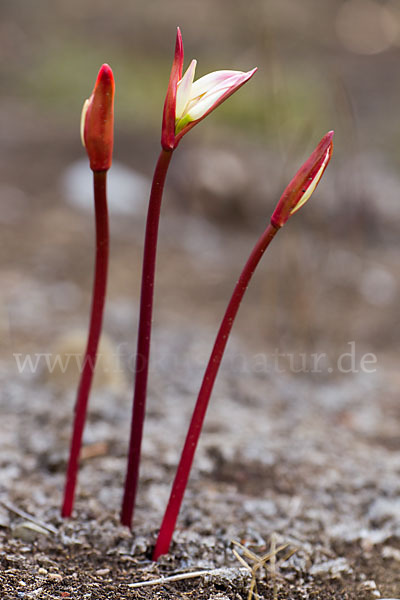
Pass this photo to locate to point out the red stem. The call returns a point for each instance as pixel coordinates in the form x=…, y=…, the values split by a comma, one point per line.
x=96, y=318
x=192, y=438
x=144, y=335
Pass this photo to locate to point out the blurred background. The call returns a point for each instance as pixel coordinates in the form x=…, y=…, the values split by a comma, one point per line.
x=331, y=277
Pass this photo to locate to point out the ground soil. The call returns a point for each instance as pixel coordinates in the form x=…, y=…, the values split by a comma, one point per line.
x=315, y=462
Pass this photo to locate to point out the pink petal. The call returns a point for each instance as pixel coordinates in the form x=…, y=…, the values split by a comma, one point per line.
x=219, y=94
x=211, y=80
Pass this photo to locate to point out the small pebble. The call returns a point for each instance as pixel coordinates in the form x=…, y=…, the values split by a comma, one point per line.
x=333, y=567
x=390, y=552
x=369, y=585
x=28, y=531
x=54, y=577
x=102, y=572
x=139, y=546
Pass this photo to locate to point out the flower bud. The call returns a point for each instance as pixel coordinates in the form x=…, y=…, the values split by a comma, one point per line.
x=97, y=121
x=304, y=182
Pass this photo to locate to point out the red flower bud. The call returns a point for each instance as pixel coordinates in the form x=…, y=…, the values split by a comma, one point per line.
x=97, y=121
x=304, y=182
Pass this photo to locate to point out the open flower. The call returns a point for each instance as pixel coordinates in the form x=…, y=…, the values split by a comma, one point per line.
x=304, y=182
x=188, y=102
x=97, y=121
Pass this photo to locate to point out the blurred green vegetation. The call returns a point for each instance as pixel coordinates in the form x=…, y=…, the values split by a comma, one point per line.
x=62, y=80
x=311, y=77
x=54, y=63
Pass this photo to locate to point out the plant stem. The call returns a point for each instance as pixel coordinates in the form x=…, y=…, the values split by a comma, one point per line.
x=144, y=337
x=192, y=438
x=96, y=318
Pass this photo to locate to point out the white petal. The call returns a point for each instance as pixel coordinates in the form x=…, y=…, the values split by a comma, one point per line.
x=199, y=107
x=184, y=88
x=211, y=80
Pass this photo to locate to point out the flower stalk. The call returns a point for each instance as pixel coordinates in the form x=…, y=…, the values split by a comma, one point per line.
x=144, y=336
x=295, y=195
x=186, y=104
x=97, y=137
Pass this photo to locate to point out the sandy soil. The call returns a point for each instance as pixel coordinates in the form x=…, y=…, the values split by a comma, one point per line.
x=311, y=459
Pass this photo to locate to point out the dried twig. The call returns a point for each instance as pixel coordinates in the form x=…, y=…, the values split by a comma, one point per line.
x=27, y=516
x=181, y=576
x=273, y=566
